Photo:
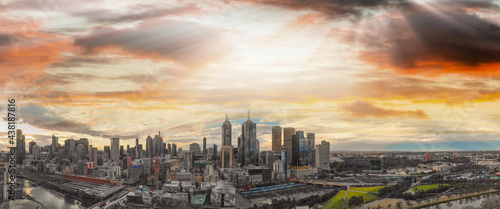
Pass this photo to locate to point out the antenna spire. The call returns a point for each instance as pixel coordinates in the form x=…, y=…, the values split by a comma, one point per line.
x=248, y=108
x=227, y=118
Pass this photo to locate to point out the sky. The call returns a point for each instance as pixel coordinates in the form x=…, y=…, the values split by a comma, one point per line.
x=364, y=75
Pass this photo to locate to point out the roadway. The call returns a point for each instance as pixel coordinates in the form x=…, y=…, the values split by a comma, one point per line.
x=111, y=201
x=341, y=184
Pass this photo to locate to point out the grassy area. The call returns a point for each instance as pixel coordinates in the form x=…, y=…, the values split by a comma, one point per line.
x=366, y=189
x=369, y=194
x=427, y=187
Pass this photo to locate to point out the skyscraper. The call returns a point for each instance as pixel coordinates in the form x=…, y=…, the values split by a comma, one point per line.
x=107, y=151
x=226, y=132
x=149, y=146
x=204, y=147
x=248, y=143
x=54, y=144
x=94, y=155
x=303, y=149
x=169, y=149
x=35, y=151
x=276, y=139
x=174, y=149
x=227, y=153
x=158, y=144
x=300, y=150
x=70, y=146
x=115, y=149
x=90, y=153
x=311, y=140
x=287, y=142
x=215, y=158
x=31, y=144
x=122, y=150
x=295, y=154
x=20, y=147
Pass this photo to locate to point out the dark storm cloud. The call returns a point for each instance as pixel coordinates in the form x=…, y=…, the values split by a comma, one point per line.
x=439, y=40
x=186, y=42
x=466, y=38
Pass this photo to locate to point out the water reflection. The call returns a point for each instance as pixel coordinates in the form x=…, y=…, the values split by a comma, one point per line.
x=51, y=199
x=469, y=201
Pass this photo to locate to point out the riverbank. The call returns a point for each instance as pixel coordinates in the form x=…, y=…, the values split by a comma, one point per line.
x=457, y=198
x=51, y=199
x=384, y=203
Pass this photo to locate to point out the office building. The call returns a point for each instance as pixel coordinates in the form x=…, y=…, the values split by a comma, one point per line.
x=36, y=152
x=30, y=147
x=90, y=153
x=115, y=149
x=54, y=144
x=227, y=156
x=300, y=150
x=323, y=155
x=70, y=147
x=107, y=152
x=149, y=147
x=174, y=149
x=226, y=132
x=287, y=142
x=94, y=155
x=311, y=141
x=276, y=139
x=20, y=146
x=248, y=144
x=195, y=148
x=204, y=147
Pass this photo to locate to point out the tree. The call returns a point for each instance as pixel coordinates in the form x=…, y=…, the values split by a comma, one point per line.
x=399, y=205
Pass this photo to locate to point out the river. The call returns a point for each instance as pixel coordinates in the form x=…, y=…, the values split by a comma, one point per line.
x=470, y=201
x=51, y=199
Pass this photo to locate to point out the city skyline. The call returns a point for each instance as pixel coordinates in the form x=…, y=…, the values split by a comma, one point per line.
x=381, y=76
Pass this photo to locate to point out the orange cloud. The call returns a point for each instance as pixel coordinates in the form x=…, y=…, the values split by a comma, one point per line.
x=364, y=109
x=26, y=52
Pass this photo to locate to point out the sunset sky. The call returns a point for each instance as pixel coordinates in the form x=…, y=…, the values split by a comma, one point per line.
x=386, y=75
